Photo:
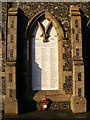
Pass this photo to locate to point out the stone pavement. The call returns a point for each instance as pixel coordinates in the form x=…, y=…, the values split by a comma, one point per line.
x=49, y=115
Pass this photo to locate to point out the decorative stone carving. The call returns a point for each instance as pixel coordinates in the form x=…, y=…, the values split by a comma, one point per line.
x=44, y=32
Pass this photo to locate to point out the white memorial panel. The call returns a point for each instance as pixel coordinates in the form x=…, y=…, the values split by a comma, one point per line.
x=44, y=59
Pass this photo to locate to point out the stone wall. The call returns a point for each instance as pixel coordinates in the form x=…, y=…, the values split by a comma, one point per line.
x=61, y=11
x=3, y=52
x=55, y=106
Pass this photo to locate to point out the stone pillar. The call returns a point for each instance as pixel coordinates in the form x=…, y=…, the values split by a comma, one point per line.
x=78, y=101
x=11, y=105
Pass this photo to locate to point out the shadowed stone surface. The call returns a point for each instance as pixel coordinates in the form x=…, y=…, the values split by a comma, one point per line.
x=61, y=11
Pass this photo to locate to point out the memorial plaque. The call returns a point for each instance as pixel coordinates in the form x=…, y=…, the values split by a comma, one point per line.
x=44, y=59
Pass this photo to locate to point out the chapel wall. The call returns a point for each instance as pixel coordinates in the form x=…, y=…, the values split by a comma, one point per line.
x=62, y=12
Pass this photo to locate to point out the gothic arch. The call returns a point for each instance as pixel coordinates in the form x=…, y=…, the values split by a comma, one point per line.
x=60, y=36
x=48, y=16
x=33, y=22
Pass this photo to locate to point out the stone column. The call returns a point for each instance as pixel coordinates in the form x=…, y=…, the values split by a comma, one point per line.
x=11, y=105
x=78, y=101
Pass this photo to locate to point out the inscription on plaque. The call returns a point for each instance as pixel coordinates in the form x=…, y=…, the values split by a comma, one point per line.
x=44, y=59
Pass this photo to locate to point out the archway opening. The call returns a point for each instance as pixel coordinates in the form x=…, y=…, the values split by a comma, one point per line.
x=44, y=36
x=44, y=56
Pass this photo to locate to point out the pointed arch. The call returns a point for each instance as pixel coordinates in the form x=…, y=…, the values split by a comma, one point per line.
x=59, y=34
x=48, y=16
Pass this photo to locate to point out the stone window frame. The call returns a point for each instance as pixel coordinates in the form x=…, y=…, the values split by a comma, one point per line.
x=60, y=35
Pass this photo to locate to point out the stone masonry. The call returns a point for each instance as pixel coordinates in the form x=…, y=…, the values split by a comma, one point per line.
x=71, y=65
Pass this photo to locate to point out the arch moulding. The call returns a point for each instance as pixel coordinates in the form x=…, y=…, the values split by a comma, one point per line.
x=60, y=36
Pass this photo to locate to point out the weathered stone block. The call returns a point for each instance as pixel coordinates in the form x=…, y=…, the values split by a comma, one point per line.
x=78, y=104
x=11, y=106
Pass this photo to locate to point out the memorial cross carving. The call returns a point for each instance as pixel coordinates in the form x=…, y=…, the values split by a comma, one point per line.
x=44, y=32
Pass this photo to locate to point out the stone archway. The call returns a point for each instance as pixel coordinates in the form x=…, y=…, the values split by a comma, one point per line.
x=36, y=21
